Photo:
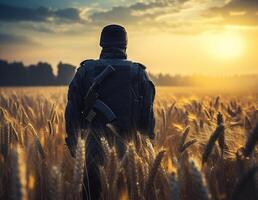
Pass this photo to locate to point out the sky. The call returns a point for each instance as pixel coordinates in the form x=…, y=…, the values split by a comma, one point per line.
x=214, y=37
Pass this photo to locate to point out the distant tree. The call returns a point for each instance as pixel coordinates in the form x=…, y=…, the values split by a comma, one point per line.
x=3, y=72
x=17, y=73
x=12, y=74
x=41, y=74
x=65, y=73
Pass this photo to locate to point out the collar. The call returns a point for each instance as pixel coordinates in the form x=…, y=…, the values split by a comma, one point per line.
x=113, y=52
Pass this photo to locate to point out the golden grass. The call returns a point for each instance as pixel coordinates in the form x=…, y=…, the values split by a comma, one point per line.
x=197, y=154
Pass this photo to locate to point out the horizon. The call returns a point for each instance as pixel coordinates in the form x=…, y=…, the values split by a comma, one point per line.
x=210, y=37
x=54, y=68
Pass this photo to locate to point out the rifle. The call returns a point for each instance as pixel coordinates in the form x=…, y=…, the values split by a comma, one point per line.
x=91, y=101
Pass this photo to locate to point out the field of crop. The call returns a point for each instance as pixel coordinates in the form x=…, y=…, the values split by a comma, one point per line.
x=204, y=149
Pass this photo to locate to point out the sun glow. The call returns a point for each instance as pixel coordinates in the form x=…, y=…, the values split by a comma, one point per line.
x=226, y=46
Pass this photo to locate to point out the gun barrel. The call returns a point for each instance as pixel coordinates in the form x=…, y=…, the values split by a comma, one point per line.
x=106, y=72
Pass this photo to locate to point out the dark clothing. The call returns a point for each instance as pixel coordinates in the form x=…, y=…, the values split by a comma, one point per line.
x=128, y=92
x=113, y=53
x=115, y=90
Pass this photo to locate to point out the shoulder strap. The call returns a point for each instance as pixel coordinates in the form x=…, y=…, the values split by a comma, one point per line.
x=86, y=61
x=87, y=67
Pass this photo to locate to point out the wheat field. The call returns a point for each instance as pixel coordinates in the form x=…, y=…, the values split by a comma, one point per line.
x=204, y=148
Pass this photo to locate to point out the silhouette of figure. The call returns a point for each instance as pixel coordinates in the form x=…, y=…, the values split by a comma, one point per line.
x=110, y=90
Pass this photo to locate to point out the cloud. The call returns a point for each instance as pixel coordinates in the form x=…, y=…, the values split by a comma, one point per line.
x=137, y=13
x=156, y=4
x=246, y=19
x=241, y=5
x=9, y=39
x=42, y=27
x=10, y=13
x=238, y=12
x=159, y=15
x=173, y=16
x=70, y=14
x=118, y=14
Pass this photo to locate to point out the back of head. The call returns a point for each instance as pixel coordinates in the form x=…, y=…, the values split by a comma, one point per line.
x=113, y=36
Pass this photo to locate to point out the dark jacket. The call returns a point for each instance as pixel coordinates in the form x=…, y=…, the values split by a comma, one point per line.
x=114, y=92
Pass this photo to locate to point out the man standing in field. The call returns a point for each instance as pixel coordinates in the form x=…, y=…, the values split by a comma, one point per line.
x=109, y=91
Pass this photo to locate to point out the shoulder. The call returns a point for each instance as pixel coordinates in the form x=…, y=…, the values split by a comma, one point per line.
x=139, y=70
x=85, y=66
x=143, y=67
x=87, y=63
x=146, y=77
x=144, y=74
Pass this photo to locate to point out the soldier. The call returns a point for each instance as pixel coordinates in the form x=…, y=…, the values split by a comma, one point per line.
x=110, y=90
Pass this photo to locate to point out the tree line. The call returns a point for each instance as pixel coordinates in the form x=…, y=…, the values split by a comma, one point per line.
x=41, y=74
x=246, y=80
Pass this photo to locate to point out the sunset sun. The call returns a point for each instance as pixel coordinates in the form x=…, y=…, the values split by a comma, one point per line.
x=226, y=46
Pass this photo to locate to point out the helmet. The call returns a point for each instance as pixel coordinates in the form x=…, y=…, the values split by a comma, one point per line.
x=113, y=36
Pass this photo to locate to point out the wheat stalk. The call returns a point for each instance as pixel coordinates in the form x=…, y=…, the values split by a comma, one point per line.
x=55, y=184
x=199, y=187
x=251, y=141
x=19, y=181
x=183, y=138
x=153, y=173
x=132, y=172
x=78, y=171
x=213, y=138
x=174, y=187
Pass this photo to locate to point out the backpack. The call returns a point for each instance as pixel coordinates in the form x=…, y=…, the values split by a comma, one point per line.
x=121, y=91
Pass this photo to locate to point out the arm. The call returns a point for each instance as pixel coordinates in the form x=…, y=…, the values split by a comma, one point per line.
x=148, y=119
x=73, y=110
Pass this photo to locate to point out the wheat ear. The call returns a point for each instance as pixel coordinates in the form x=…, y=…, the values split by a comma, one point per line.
x=19, y=181
x=78, y=170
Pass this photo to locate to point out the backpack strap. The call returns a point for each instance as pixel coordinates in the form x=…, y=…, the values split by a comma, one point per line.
x=87, y=67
